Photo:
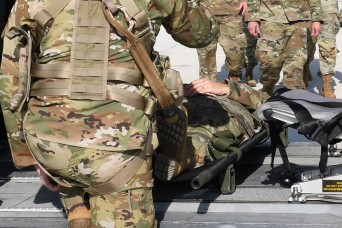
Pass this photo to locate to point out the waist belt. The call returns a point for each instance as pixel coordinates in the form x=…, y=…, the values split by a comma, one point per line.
x=121, y=74
x=60, y=88
x=62, y=71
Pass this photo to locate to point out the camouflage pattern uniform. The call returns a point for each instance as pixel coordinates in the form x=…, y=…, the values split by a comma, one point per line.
x=88, y=142
x=327, y=39
x=283, y=38
x=232, y=112
x=250, y=58
x=231, y=37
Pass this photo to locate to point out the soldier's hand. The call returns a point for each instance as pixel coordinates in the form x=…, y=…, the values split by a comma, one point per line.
x=315, y=28
x=206, y=86
x=242, y=8
x=46, y=180
x=254, y=28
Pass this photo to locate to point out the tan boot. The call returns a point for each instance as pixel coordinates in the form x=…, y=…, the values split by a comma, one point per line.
x=307, y=75
x=268, y=86
x=77, y=209
x=80, y=217
x=249, y=76
x=268, y=90
x=327, y=90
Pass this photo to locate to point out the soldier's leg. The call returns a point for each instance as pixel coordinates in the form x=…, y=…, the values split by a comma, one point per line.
x=130, y=206
x=207, y=61
x=250, y=58
x=92, y=167
x=233, y=42
x=327, y=53
x=269, y=52
x=76, y=208
x=311, y=47
x=295, y=55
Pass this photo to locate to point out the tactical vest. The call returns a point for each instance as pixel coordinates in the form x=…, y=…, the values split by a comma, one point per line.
x=88, y=74
x=87, y=77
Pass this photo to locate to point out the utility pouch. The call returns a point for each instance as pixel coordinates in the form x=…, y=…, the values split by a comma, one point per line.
x=13, y=121
x=171, y=154
x=14, y=90
x=222, y=143
x=172, y=79
x=227, y=180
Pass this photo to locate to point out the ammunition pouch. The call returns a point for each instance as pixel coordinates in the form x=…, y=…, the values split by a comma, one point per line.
x=172, y=79
x=14, y=90
x=222, y=143
x=171, y=154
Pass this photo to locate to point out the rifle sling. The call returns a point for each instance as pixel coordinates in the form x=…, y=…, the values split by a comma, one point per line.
x=144, y=62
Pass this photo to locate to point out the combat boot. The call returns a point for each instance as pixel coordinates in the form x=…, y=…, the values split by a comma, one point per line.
x=268, y=86
x=249, y=76
x=307, y=75
x=268, y=90
x=80, y=217
x=77, y=209
x=327, y=90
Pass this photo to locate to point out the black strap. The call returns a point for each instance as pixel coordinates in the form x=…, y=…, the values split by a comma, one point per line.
x=277, y=96
x=323, y=133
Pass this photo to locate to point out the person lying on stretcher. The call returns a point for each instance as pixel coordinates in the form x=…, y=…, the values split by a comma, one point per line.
x=212, y=107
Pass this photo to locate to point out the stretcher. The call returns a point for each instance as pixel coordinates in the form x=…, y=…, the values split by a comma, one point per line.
x=320, y=120
x=222, y=167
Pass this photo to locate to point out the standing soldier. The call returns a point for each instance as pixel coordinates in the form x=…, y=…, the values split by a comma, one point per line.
x=85, y=68
x=282, y=27
x=327, y=47
x=229, y=14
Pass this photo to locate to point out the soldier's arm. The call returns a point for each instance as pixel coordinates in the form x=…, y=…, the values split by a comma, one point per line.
x=253, y=11
x=245, y=94
x=239, y=92
x=46, y=180
x=243, y=8
x=316, y=16
x=316, y=10
x=252, y=17
x=189, y=24
x=206, y=86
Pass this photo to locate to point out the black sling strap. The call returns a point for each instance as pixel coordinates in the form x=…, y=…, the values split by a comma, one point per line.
x=321, y=132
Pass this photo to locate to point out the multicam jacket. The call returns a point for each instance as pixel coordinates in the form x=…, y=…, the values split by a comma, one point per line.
x=330, y=6
x=108, y=124
x=284, y=11
x=222, y=7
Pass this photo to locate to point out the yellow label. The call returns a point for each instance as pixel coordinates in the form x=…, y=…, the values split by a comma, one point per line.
x=332, y=185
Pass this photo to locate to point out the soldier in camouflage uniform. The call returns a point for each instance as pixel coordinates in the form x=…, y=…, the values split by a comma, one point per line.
x=85, y=142
x=233, y=103
x=229, y=14
x=282, y=27
x=327, y=47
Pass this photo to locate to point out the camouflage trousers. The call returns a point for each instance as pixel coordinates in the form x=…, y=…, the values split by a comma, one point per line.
x=282, y=47
x=326, y=45
x=233, y=41
x=250, y=58
x=129, y=206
